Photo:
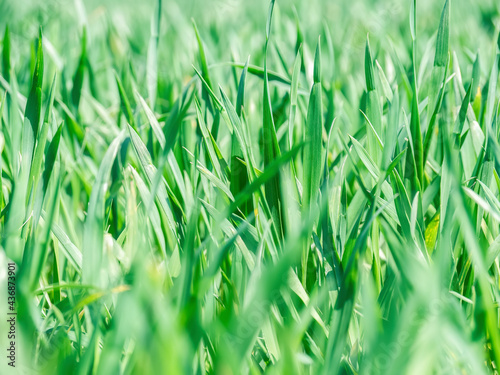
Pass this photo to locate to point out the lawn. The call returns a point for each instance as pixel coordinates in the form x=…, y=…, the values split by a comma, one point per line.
x=249, y=187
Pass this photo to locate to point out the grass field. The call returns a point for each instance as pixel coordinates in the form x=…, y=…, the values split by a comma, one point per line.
x=247, y=187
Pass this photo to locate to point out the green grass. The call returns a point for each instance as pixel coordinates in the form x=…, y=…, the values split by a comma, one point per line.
x=231, y=187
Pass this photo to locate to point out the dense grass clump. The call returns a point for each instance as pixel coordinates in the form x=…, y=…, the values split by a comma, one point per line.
x=231, y=187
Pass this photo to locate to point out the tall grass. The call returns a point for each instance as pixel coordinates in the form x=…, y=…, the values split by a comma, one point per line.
x=260, y=188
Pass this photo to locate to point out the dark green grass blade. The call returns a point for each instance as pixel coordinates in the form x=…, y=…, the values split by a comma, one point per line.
x=271, y=148
x=204, y=71
x=76, y=91
x=124, y=102
x=6, y=54
x=35, y=170
x=372, y=107
x=313, y=139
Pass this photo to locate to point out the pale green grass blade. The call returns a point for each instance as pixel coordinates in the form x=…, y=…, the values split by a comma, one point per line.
x=313, y=147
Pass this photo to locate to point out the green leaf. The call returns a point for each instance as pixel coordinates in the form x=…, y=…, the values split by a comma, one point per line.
x=124, y=102
x=152, y=56
x=373, y=113
x=369, y=75
x=6, y=54
x=76, y=91
x=94, y=223
x=239, y=175
x=313, y=147
x=35, y=170
x=32, y=114
x=271, y=148
x=151, y=172
x=443, y=37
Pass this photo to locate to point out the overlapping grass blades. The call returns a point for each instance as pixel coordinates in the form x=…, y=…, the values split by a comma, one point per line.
x=175, y=206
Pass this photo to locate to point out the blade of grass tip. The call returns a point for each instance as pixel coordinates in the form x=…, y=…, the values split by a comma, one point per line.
x=391, y=135
x=272, y=76
x=204, y=69
x=459, y=123
x=372, y=107
x=240, y=99
x=33, y=110
x=386, y=87
x=76, y=91
x=293, y=94
x=239, y=175
x=155, y=125
x=313, y=135
x=152, y=57
x=6, y=54
x=94, y=223
x=440, y=58
x=124, y=102
x=208, y=140
x=271, y=148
